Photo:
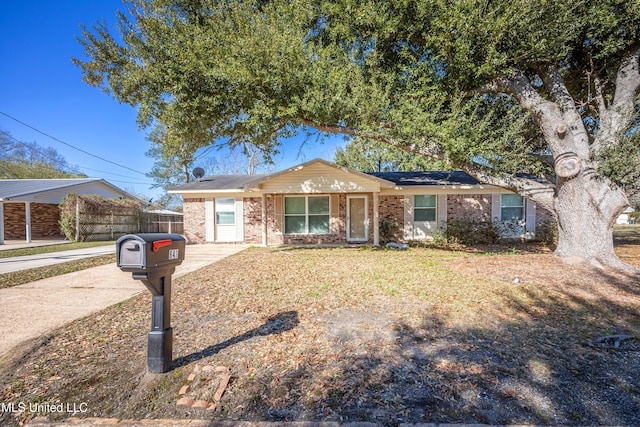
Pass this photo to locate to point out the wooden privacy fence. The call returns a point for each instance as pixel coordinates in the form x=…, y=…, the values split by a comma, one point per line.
x=85, y=218
x=163, y=222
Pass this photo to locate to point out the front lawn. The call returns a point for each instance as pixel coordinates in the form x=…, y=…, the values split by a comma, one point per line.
x=351, y=334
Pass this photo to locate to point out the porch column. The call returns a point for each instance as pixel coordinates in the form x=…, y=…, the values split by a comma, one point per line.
x=27, y=214
x=264, y=219
x=1, y=223
x=376, y=220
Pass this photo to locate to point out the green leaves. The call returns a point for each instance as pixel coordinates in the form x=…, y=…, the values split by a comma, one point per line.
x=251, y=71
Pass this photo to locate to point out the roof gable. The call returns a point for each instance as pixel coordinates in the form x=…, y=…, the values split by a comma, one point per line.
x=52, y=190
x=319, y=176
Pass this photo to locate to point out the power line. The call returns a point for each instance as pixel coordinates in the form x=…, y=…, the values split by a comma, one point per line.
x=69, y=145
x=65, y=165
x=114, y=174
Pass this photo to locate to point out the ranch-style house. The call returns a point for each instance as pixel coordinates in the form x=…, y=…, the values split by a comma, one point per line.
x=319, y=202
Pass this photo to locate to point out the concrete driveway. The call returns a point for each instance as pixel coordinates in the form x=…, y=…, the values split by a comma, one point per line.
x=35, y=309
x=8, y=265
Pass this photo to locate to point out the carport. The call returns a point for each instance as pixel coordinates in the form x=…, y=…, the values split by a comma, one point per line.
x=29, y=207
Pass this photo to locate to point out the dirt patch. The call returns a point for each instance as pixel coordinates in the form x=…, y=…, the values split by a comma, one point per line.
x=361, y=335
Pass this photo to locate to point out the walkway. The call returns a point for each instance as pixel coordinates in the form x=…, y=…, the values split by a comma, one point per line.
x=35, y=309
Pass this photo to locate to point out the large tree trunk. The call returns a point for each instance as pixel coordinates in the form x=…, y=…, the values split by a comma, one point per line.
x=587, y=207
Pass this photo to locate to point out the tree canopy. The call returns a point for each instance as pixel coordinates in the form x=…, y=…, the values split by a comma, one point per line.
x=536, y=96
x=370, y=156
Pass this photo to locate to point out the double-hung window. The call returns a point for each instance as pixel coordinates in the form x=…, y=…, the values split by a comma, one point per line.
x=306, y=215
x=225, y=211
x=511, y=207
x=424, y=208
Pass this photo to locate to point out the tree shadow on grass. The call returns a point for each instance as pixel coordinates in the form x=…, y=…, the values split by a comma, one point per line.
x=541, y=366
x=277, y=324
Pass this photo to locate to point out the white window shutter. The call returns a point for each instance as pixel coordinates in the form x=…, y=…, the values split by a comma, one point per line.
x=239, y=220
x=442, y=211
x=408, y=218
x=530, y=218
x=209, y=223
x=496, y=203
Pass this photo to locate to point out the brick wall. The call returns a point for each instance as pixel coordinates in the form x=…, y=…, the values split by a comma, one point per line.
x=44, y=221
x=194, y=220
x=469, y=206
x=543, y=216
x=391, y=210
x=252, y=207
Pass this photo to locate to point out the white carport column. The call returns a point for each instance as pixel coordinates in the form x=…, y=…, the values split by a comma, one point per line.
x=376, y=220
x=27, y=214
x=1, y=223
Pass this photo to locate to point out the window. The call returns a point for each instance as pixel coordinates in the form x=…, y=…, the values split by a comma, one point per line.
x=225, y=211
x=306, y=215
x=424, y=208
x=511, y=207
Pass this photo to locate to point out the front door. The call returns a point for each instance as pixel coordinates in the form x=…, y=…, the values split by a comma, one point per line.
x=357, y=221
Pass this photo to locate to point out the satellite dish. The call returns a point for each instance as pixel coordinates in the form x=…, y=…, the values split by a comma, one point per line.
x=198, y=173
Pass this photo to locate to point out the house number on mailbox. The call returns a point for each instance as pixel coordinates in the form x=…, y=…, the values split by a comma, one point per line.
x=173, y=253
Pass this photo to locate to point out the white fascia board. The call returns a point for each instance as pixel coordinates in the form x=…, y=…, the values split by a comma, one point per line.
x=233, y=190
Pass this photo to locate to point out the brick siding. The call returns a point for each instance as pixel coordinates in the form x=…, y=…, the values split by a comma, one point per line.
x=252, y=207
x=391, y=211
x=469, y=206
x=45, y=221
x=194, y=220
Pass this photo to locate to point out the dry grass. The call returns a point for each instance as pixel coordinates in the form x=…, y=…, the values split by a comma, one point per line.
x=16, y=278
x=362, y=334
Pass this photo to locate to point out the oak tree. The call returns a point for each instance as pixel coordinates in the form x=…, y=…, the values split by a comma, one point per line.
x=535, y=96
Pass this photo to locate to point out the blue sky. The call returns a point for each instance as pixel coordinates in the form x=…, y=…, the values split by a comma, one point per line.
x=42, y=88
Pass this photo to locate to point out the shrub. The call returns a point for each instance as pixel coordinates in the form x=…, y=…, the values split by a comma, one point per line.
x=469, y=231
x=547, y=233
x=388, y=230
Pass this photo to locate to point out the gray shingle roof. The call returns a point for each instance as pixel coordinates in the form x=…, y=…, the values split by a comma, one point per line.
x=14, y=188
x=427, y=178
x=219, y=182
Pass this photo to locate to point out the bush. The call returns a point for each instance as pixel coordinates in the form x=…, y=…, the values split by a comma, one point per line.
x=389, y=230
x=547, y=233
x=469, y=231
x=634, y=217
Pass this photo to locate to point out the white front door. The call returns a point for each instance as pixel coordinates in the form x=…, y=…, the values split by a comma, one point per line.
x=357, y=219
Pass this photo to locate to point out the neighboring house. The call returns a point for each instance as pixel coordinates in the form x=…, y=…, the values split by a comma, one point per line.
x=319, y=202
x=623, y=218
x=29, y=207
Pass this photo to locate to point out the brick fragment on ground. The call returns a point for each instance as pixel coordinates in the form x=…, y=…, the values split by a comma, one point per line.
x=223, y=386
x=185, y=401
x=201, y=404
x=183, y=390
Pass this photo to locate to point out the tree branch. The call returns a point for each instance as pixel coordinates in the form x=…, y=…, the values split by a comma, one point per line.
x=619, y=114
x=541, y=192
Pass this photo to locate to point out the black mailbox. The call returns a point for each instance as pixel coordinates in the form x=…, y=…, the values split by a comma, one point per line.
x=143, y=253
x=152, y=258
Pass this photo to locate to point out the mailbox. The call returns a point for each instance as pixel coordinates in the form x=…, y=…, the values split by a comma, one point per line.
x=152, y=258
x=144, y=253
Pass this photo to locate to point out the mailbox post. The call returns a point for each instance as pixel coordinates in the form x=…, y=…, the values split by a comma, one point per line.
x=152, y=258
